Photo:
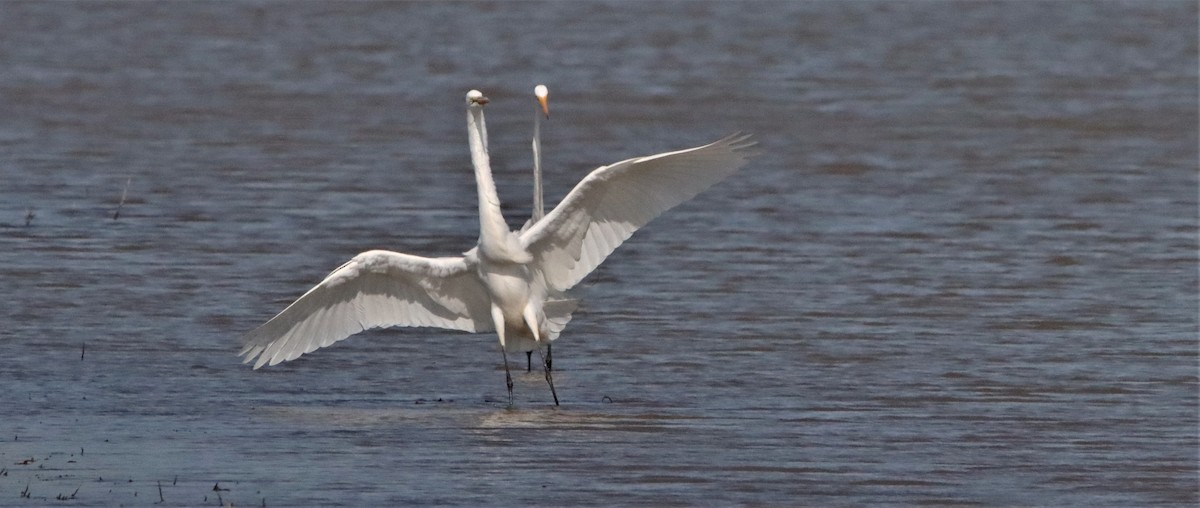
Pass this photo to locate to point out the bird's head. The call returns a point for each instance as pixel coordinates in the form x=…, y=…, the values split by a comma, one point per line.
x=476, y=98
x=543, y=96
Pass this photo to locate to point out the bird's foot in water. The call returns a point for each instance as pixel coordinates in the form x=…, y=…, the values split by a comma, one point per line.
x=549, y=377
x=508, y=381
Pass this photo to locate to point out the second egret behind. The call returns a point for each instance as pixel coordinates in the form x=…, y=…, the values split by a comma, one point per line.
x=542, y=95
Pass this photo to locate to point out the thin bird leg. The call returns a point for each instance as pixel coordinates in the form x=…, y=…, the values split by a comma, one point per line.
x=531, y=320
x=529, y=361
x=549, y=377
x=498, y=321
x=507, y=375
x=549, y=361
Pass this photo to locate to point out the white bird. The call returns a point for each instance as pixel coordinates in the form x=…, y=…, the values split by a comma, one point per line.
x=511, y=282
x=542, y=95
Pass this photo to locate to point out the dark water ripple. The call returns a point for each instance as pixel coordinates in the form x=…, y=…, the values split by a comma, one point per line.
x=963, y=271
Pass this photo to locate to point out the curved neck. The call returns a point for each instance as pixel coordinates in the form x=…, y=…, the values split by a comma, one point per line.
x=492, y=228
x=539, y=210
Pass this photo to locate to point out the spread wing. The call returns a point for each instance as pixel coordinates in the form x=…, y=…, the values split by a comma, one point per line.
x=376, y=289
x=612, y=202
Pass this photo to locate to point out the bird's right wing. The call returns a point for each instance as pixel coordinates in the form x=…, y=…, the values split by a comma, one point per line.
x=613, y=201
x=376, y=289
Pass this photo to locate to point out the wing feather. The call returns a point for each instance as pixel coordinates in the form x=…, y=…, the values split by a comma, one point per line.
x=376, y=289
x=614, y=201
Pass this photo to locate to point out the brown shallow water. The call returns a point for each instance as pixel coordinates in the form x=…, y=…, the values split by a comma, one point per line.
x=963, y=271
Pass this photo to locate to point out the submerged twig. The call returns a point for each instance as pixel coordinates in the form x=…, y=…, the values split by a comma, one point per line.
x=64, y=497
x=29, y=215
x=124, y=193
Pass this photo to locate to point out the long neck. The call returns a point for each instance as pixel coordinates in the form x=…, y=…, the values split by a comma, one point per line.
x=539, y=210
x=492, y=228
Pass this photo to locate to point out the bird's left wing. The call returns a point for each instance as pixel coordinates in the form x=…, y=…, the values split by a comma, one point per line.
x=376, y=289
x=613, y=201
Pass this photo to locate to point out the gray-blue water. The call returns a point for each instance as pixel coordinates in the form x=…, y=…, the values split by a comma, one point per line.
x=963, y=271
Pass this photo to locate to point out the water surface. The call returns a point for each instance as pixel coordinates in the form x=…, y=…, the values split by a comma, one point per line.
x=962, y=272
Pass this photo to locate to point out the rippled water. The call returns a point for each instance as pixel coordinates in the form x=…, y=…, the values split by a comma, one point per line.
x=963, y=271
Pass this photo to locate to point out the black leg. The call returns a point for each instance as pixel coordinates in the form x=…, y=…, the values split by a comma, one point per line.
x=507, y=375
x=549, y=360
x=549, y=378
x=529, y=361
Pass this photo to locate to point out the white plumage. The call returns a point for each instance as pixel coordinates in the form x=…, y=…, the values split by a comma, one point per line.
x=511, y=283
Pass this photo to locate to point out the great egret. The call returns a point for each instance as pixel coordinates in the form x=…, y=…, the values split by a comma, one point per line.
x=542, y=95
x=511, y=282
